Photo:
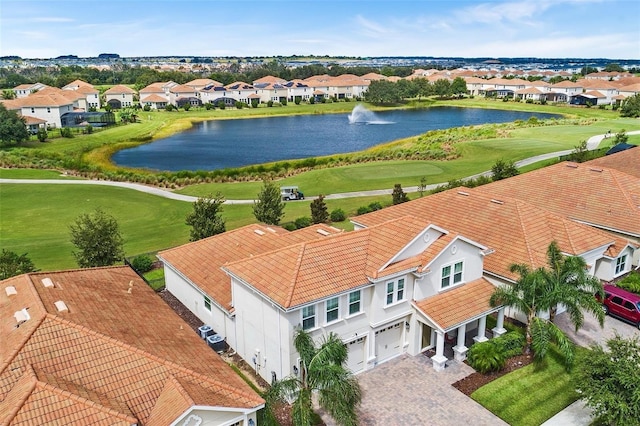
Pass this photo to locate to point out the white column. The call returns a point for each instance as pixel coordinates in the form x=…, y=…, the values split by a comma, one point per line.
x=482, y=327
x=460, y=350
x=439, y=359
x=499, y=329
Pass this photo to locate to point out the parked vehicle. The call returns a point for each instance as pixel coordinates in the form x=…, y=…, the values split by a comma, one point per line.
x=621, y=303
x=291, y=193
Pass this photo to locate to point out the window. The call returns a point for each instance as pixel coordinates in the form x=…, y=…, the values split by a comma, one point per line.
x=308, y=317
x=621, y=264
x=395, y=291
x=333, y=309
x=354, y=302
x=451, y=279
x=48, y=110
x=207, y=303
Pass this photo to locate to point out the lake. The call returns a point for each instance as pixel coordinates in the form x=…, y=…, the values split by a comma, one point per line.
x=219, y=144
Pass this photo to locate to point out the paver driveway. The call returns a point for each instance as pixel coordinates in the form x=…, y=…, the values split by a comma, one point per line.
x=408, y=391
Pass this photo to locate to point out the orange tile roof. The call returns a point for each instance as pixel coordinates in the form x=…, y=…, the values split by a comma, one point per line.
x=200, y=261
x=518, y=232
x=627, y=161
x=451, y=308
x=107, y=358
x=598, y=196
x=119, y=89
x=154, y=98
x=313, y=270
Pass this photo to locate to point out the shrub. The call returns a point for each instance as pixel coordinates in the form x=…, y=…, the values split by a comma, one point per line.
x=485, y=357
x=631, y=282
x=297, y=100
x=169, y=107
x=270, y=103
x=146, y=108
x=42, y=135
x=375, y=206
x=254, y=103
x=337, y=215
x=65, y=132
x=302, y=222
x=363, y=210
x=142, y=263
x=510, y=344
x=289, y=226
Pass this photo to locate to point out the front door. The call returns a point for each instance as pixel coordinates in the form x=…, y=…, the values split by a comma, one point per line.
x=426, y=337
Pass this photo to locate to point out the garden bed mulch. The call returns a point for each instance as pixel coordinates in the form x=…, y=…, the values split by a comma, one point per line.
x=476, y=380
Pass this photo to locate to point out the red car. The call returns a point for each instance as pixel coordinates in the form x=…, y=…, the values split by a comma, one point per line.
x=622, y=304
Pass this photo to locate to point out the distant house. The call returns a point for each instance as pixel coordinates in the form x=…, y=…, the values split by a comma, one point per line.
x=98, y=346
x=120, y=96
x=88, y=96
x=24, y=90
x=591, y=98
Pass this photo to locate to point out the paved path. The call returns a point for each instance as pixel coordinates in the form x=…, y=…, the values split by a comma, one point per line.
x=592, y=143
x=408, y=391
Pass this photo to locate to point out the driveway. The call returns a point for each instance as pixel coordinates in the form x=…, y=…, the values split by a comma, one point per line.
x=592, y=333
x=408, y=391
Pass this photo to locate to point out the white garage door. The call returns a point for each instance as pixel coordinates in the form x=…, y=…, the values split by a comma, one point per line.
x=355, y=361
x=389, y=341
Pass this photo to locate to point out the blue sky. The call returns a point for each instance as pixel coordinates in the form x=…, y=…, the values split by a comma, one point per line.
x=495, y=28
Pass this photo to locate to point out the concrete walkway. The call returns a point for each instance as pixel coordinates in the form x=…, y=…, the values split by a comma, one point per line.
x=592, y=143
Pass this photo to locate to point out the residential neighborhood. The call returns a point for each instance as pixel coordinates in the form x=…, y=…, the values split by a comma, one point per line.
x=411, y=277
x=46, y=107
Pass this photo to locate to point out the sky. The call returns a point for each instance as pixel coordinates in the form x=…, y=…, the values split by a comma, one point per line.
x=494, y=28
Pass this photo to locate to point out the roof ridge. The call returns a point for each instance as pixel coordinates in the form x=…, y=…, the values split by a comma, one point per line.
x=86, y=401
x=297, y=273
x=614, y=175
x=30, y=375
x=523, y=227
x=181, y=390
x=162, y=361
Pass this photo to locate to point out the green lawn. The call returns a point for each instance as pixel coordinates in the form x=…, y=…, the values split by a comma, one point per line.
x=530, y=396
x=35, y=219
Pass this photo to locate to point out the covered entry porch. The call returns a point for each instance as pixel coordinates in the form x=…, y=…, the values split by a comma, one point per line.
x=457, y=318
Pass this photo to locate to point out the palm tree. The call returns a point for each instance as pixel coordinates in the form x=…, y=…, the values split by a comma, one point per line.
x=527, y=295
x=321, y=371
x=569, y=283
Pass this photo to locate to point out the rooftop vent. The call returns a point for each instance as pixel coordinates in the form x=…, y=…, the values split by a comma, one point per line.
x=11, y=290
x=322, y=232
x=271, y=229
x=47, y=282
x=572, y=165
x=21, y=316
x=259, y=232
x=466, y=194
x=61, y=306
x=497, y=201
x=595, y=170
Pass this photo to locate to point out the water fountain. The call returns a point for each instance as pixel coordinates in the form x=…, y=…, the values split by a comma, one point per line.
x=361, y=115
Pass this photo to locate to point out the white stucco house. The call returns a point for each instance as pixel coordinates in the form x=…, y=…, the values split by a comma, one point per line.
x=120, y=96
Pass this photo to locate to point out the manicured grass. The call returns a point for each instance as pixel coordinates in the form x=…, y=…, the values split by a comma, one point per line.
x=530, y=396
x=155, y=278
x=35, y=219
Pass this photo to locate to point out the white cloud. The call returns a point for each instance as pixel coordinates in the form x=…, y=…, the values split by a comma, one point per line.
x=370, y=28
x=51, y=19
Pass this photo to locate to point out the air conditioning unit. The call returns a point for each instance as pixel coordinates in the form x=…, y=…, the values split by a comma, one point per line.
x=205, y=331
x=217, y=343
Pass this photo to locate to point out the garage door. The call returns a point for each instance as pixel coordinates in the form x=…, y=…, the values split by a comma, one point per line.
x=355, y=361
x=389, y=341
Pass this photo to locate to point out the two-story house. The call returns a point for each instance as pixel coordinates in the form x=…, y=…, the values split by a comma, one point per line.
x=120, y=96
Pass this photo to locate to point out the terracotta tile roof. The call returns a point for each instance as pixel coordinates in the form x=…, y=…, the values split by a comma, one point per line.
x=119, y=89
x=451, y=308
x=181, y=88
x=154, y=98
x=201, y=261
x=270, y=79
x=107, y=358
x=313, y=270
x=76, y=84
x=33, y=120
x=567, y=84
x=46, y=100
x=12, y=104
x=598, y=196
x=518, y=232
x=627, y=161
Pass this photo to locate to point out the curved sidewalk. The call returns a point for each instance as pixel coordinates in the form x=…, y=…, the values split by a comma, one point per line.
x=592, y=143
